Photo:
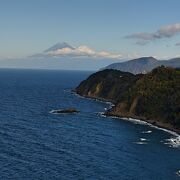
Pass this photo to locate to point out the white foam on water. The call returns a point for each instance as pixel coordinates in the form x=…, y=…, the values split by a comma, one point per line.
x=110, y=104
x=147, y=132
x=141, y=143
x=135, y=121
x=52, y=111
x=173, y=142
x=102, y=114
x=143, y=139
x=178, y=173
x=67, y=90
x=138, y=121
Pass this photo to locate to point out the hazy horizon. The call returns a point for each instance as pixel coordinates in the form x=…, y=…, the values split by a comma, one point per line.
x=96, y=33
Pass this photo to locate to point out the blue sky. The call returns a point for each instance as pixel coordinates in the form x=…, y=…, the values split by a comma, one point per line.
x=31, y=26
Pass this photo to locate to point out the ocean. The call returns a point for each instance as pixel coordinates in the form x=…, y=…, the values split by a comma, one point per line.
x=36, y=144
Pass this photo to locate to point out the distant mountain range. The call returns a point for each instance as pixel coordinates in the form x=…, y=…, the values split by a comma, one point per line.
x=143, y=65
x=59, y=46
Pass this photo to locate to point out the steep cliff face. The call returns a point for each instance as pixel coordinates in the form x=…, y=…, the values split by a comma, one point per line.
x=107, y=85
x=154, y=97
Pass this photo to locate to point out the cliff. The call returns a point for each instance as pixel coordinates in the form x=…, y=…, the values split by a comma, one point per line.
x=153, y=97
x=107, y=85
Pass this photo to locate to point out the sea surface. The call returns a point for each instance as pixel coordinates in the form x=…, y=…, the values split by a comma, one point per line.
x=35, y=144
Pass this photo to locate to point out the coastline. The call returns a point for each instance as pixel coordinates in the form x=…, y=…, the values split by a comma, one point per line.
x=147, y=122
x=155, y=124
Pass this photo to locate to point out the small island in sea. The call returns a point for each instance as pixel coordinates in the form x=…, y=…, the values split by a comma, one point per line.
x=153, y=97
x=64, y=111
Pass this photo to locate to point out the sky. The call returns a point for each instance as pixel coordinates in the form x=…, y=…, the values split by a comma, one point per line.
x=122, y=28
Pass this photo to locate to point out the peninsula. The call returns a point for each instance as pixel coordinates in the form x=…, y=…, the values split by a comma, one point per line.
x=153, y=97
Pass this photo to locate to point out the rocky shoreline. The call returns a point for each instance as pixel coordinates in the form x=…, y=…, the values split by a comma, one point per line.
x=153, y=97
x=158, y=124
x=108, y=113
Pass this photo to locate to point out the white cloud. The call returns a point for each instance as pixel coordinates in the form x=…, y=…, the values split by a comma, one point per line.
x=163, y=32
x=82, y=51
x=169, y=31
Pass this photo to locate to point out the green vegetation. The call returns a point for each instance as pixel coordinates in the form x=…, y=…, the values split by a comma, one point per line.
x=157, y=96
x=154, y=96
x=107, y=84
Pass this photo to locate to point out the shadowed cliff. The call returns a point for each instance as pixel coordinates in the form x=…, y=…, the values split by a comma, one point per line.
x=154, y=97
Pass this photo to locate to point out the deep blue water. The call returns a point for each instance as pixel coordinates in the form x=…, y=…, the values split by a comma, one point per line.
x=35, y=144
